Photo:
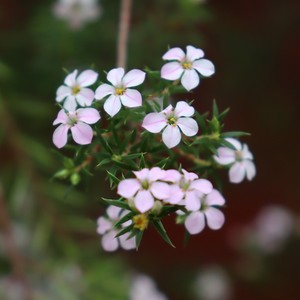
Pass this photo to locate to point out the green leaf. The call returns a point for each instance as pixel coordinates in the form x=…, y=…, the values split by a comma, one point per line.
x=125, y=230
x=138, y=238
x=118, y=203
x=124, y=219
x=114, y=179
x=215, y=109
x=227, y=144
x=231, y=134
x=161, y=230
x=104, y=162
x=104, y=143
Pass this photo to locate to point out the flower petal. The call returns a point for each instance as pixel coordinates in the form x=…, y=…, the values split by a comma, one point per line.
x=70, y=103
x=237, y=144
x=131, y=98
x=174, y=54
x=109, y=242
x=224, y=156
x=143, y=201
x=190, y=79
x=195, y=223
x=104, y=90
x=176, y=194
x=114, y=76
x=160, y=190
x=188, y=126
x=82, y=133
x=127, y=244
x=250, y=169
x=87, y=78
x=193, y=53
x=202, y=185
x=60, y=135
x=171, y=71
x=70, y=80
x=171, y=136
x=112, y=105
x=61, y=118
x=183, y=109
x=237, y=172
x=128, y=187
x=133, y=78
x=113, y=212
x=215, y=218
x=189, y=176
x=214, y=198
x=156, y=173
x=104, y=225
x=142, y=174
x=85, y=97
x=154, y=122
x=88, y=115
x=192, y=200
x=172, y=175
x=246, y=153
x=62, y=92
x=204, y=66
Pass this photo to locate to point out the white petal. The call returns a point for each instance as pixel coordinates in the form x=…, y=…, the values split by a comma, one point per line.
x=114, y=76
x=188, y=126
x=202, y=185
x=62, y=92
x=104, y=90
x=104, y=225
x=87, y=78
x=82, y=133
x=131, y=98
x=195, y=223
x=60, y=135
x=176, y=194
x=189, y=176
x=214, y=198
x=225, y=156
x=85, y=97
x=113, y=212
x=142, y=174
x=171, y=71
x=174, y=54
x=154, y=122
x=215, y=218
x=88, y=115
x=109, y=242
x=70, y=103
x=128, y=187
x=112, y=105
x=70, y=80
x=237, y=172
x=127, y=244
x=250, y=169
x=183, y=109
x=193, y=53
x=171, y=136
x=156, y=173
x=160, y=190
x=143, y=201
x=192, y=201
x=172, y=175
x=235, y=143
x=190, y=79
x=204, y=66
x=61, y=118
x=133, y=78
x=246, y=153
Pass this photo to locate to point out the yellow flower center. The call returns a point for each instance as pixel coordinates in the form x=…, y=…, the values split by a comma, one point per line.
x=75, y=89
x=238, y=155
x=172, y=121
x=120, y=91
x=140, y=222
x=187, y=65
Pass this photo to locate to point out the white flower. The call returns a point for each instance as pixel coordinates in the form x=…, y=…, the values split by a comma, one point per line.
x=186, y=66
x=106, y=228
x=240, y=160
x=77, y=12
x=172, y=122
x=195, y=222
x=75, y=90
x=145, y=188
x=119, y=91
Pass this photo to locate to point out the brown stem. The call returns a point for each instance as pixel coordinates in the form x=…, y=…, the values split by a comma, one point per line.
x=125, y=15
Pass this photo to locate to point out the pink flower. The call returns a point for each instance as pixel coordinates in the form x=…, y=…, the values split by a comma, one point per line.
x=240, y=160
x=78, y=122
x=195, y=222
x=119, y=91
x=75, y=90
x=186, y=66
x=172, y=122
x=106, y=228
x=147, y=187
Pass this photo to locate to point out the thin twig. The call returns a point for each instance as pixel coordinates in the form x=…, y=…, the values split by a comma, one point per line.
x=125, y=15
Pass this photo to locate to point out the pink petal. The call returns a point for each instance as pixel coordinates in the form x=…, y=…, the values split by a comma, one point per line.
x=133, y=78
x=142, y=174
x=192, y=201
x=62, y=92
x=193, y=53
x=70, y=103
x=188, y=126
x=172, y=175
x=176, y=194
x=87, y=78
x=156, y=173
x=70, y=80
x=104, y=90
x=214, y=198
x=104, y=225
x=190, y=79
x=171, y=136
x=189, y=176
x=246, y=153
x=237, y=144
x=195, y=223
x=127, y=244
x=183, y=109
x=154, y=122
x=215, y=218
x=143, y=201
x=113, y=212
x=114, y=76
x=60, y=135
x=61, y=118
x=85, y=97
x=127, y=188
x=160, y=190
x=204, y=66
x=88, y=115
x=250, y=169
x=82, y=133
x=112, y=105
x=171, y=71
x=225, y=156
x=131, y=98
x=237, y=173
x=109, y=242
x=202, y=185
x=174, y=54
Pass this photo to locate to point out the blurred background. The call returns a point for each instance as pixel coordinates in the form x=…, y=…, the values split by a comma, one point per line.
x=49, y=248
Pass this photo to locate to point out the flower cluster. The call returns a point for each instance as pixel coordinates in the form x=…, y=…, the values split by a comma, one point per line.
x=127, y=141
